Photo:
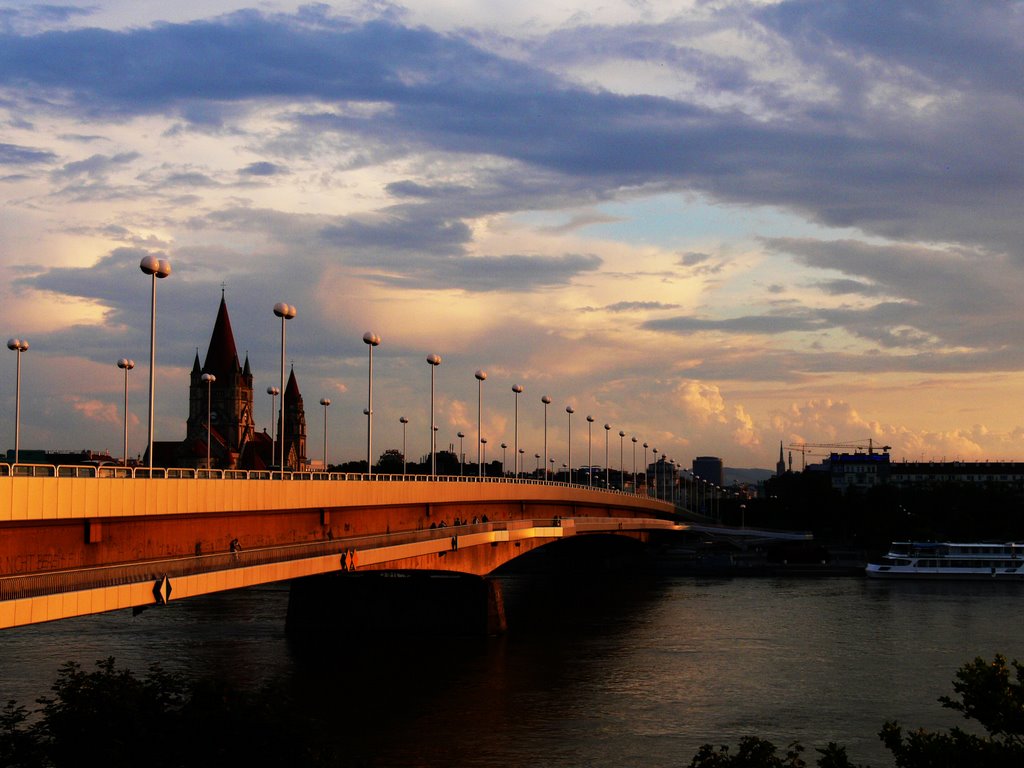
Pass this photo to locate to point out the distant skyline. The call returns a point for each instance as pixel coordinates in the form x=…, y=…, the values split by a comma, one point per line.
x=713, y=225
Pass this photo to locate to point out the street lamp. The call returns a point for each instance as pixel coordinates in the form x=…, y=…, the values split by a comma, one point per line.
x=403, y=421
x=19, y=346
x=208, y=379
x=590, y=455
x=546, y=400
x=462, y=456
x=647, y=489
x=607, y=431
x=434, y=360
x=285, y=312
x=126, y=365
x=516, y=453
x=656, y=488
x=518, y=457
x=536, y=469
x=636, y=485
x=154, y=267
x=273, y=392
x=325, y=401
x=570, y=410
x=483, y=445
x=622, y=474
x=481, y=376
x=504, y=445
x=371, y=340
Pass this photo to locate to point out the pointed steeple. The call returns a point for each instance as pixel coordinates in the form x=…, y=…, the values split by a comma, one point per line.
x=222, y=356
x=245, y=368
x=196, y=368
x=291, y=392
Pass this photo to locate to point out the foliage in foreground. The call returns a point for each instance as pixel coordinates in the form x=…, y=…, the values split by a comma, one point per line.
x=990, y=694
x=112, y=718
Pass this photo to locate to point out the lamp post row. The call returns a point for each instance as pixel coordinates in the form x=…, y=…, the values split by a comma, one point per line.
x=161, y=268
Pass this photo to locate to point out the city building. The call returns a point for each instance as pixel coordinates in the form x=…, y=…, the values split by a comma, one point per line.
x=709, y=468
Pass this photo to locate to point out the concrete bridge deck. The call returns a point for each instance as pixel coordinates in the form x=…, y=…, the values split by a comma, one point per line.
x=74, y=542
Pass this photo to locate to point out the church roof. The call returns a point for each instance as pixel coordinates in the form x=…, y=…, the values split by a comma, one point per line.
x=222, y=356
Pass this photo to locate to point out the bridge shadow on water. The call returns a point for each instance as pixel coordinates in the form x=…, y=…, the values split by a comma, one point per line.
x=418, y=698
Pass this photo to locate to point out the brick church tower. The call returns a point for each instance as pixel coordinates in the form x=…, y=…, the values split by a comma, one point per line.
x=231, y=400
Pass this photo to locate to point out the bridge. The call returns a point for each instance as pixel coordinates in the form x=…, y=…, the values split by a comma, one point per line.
x=82, y=540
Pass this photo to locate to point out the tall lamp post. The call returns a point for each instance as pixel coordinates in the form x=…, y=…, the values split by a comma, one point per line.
x=622, y=474
x=481, y=377
x=590, y=453
x=156, y=268
x=517, y=389
x=325, y=401
x=371, y=340
x=126, y=365
x=483, y=445
x=403, y=421
x=636, y=485
x=208, y=379
x=285, y=312
x=462, y=456
x=536, y=469
x=434, y=360
x=19, y=346
x=546, y=400
x=607, y=480
x=657, y=490
x=273, y=392
x=504, y=445
x=647, y=488
x=570, y=410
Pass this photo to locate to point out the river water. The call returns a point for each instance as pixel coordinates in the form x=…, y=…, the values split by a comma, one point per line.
x=594, y=673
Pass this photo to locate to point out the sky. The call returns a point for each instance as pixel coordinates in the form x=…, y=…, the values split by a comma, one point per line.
x=715, y=226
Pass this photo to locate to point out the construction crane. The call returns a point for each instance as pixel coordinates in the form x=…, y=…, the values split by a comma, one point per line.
x=853, y=445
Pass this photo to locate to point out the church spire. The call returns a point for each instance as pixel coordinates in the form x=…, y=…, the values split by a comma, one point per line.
x=222, y=356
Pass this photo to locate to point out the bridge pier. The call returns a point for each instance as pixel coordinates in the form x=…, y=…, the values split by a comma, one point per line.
x=417, y=603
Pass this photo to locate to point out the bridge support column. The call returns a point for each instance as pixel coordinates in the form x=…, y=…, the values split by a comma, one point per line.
x=420, y=603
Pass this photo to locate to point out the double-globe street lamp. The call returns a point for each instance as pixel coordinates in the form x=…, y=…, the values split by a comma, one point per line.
x=325, y=401
x=19, y=346
x=371, y=340
x=622, y=474
x=125, y=364
x=155, y=268
x=481, y=377
x=517, y=389
x=570, y=411
x=434, y=361
x=403, y=421
x=607, y=481
x=208, y=379
x=546, y=400
x=273, y=392
x=590, y=452
x=285, y=312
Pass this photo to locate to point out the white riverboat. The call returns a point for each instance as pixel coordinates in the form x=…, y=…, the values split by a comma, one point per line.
x=948, y=560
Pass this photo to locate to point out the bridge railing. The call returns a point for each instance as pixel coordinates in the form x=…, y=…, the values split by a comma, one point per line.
x=123, y=472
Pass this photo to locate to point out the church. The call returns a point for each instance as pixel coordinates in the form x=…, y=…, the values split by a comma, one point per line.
x=234, y=441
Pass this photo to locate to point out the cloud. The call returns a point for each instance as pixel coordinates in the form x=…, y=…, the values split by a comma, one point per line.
x=12, y=154
x=262, y=168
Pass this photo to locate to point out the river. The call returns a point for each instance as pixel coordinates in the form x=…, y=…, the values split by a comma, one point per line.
x=595, y=673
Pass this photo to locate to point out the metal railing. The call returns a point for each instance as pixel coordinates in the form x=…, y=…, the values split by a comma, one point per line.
x=187, y=473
